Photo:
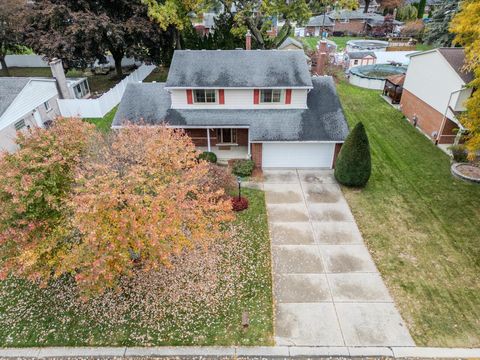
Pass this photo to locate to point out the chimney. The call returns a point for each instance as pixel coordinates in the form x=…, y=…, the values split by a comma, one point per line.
x=58, y=73
x=248, y=41
x=321, y=58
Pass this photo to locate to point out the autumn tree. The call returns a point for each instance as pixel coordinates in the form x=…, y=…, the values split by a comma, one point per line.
x=11, y=16
x=467, y=34
x=35, y=183
x=390, y=5
x=173, y=14
x=100, y=208
x=437, y=30
x=80, y=32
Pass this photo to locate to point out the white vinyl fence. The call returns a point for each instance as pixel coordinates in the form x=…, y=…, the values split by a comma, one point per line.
x=37, y=61
x=97, y=108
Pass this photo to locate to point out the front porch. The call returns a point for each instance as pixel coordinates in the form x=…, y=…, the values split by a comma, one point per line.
x=225, y=154
x=226, y=143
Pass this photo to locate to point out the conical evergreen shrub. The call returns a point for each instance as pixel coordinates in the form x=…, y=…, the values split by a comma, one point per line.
x=354, y=163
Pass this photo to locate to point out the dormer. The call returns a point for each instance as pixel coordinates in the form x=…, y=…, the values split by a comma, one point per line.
x=238, y=79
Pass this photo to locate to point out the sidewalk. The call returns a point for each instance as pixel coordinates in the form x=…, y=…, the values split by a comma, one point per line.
x=234, y=352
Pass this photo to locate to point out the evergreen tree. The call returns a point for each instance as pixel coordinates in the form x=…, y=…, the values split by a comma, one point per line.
x=421, y=8
x=436, y=32
x=354, y=164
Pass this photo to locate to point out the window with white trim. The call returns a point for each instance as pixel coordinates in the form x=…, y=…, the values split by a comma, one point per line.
x=47, y=106
x=204, y=96
x=19, y=125
x=268, y=96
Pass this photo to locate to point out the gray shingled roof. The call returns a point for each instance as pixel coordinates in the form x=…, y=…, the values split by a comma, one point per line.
x=318, y=21
x=322, y=121
x=10, y=87
x=361, y=54
x=238, y=68
x=456, y=59
x=290, y=41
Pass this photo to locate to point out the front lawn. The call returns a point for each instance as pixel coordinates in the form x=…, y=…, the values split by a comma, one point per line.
x=150, y=315
x=421, y=225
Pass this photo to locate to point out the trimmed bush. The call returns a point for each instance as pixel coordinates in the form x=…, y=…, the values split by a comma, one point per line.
x=459, y=153
x=239, y=203
x=243, y=168
x=208, y=156
x=354, y=164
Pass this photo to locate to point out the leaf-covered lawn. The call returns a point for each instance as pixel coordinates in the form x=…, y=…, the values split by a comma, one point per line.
x=421, y=225
x=183, y=306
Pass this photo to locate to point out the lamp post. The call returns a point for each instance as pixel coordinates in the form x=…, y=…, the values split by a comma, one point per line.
x=239, y=181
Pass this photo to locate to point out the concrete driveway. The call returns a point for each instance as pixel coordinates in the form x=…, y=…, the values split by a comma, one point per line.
x=327, y=289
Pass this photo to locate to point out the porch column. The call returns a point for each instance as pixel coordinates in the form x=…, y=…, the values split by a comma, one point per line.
x=248, y=146
x=208, y=140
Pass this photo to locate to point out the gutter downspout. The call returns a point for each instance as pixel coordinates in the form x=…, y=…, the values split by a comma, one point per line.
x=444, y=120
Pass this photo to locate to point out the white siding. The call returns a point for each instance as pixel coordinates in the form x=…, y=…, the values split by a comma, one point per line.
x=8, y=134
x=431, y=79
x=35, y=93
x=239, y=99
x=297, y=155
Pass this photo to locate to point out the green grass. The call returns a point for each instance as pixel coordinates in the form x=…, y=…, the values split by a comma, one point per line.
x=159, y=75
x=422, y=226
x=103, y=124
x=31, y=316
x=97, y=83
x=341, y=41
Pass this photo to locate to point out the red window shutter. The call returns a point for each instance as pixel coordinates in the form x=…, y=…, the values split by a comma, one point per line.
x=256, y=96
x=189, y=97
x=288, y=96
x=221, y=96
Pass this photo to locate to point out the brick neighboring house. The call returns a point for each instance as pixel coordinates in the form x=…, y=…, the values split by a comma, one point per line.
x=434, y=93
x=260, y=104
x=356, y=21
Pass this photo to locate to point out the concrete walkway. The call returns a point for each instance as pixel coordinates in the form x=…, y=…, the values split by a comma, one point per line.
x=327, y=289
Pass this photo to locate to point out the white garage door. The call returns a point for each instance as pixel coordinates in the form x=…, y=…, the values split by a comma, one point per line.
x=297, y=155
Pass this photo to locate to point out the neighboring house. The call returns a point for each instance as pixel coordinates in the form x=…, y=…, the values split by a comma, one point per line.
x=357, y=22
x=372, y=7
x=434, y=92
x=290, y=44
x=260, y=104
x=359, y=58
x=207, y=24
x=317, y=23
x=28, y=102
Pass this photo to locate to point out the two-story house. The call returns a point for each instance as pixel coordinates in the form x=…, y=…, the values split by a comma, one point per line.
x=260, y=104
x=434, y=92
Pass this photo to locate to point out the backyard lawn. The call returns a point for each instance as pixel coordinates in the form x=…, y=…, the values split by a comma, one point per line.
x=104, y=123
x=97, y=83
x=148, y=313
x=341, y=41
x=421, y=225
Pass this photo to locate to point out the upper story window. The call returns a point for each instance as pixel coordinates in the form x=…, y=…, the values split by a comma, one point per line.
x=270, y=96
x=204, y=96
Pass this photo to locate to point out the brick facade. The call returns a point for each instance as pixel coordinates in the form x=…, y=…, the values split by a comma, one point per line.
x=352, y=27
x=429, y=120
x=257, y=155
x=338, y=146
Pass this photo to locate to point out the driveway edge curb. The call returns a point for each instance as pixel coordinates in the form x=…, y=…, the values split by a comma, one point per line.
x=254, y=351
